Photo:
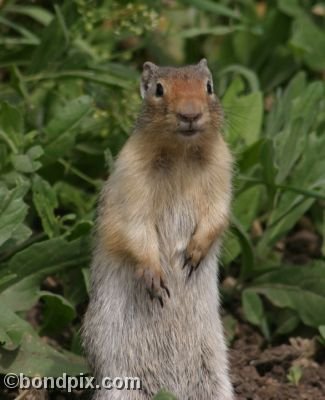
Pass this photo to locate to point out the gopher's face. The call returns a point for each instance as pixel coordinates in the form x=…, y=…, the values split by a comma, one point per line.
x=181, y=99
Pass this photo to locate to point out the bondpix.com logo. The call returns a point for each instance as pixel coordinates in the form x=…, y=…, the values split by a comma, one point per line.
x=69, y=383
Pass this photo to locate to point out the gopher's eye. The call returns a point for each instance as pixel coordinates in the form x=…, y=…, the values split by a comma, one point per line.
x=209, y=88
x=159, y=90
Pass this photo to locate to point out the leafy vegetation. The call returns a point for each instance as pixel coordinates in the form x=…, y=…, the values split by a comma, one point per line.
x=68, y=98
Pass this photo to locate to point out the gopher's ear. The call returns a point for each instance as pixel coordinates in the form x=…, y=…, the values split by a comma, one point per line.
x=203, y=64
x=149, y=70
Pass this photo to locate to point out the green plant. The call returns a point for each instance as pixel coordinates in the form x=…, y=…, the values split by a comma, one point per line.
x=294, y=374
x=163, y=395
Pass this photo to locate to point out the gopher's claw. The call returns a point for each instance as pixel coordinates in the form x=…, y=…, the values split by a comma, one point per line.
x=192, y=267
x=187, y=260
x=153, y=296
x=162, y=284
x=154, y=286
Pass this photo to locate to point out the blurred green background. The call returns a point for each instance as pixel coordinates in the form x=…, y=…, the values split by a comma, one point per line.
x=69, y=77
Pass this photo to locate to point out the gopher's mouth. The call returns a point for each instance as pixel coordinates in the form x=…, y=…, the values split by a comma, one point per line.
x=189, y=132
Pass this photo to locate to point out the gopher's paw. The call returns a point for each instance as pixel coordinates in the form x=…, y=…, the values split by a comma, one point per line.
x=193, y=256
x=154, y=283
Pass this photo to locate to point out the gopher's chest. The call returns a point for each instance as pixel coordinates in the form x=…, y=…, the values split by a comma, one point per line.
x=175, y=222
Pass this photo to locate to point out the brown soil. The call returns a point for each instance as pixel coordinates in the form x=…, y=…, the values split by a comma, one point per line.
x=262, y=374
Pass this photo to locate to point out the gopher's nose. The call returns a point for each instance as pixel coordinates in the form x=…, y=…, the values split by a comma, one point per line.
x=189, y=117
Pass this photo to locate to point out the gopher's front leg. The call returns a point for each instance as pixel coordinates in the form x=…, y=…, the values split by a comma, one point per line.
x=139, y=244
x=206, y=233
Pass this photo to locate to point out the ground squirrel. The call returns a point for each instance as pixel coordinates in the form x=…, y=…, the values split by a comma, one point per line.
x=154, y=302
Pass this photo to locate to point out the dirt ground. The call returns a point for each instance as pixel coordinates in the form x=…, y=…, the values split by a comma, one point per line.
x=260, y=373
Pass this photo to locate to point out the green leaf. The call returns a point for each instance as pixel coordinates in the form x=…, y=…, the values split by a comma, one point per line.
x=253, y=307
x=86, y=276
x=6, y=341
x=68, y=117
x=285, y=215
x=36, y=358
x=245, y=206
x=300, y=288
x=48, y=257
x=35, y=152
x=307, y=175
x=6, y=279
x=213, y=7
x=45, y=201
x=290, y=151
x=33, y=264
x=234, y=90
x=105, y=79
x=20, y=235
x=309, y=39
x=287, y=321
x=295, y=374
x=60, y=136
x=213, y=31
x=11, y=329
x=280, y=117
x=39, y=14
x=164, y=395
x=230, y=325
x=33, y=357
x=23, y=295
x=267, y=157
x=323, y=234
x=53, y=44
x=322, y=331
x=3, y=155
x=73, y=197
x=249, y=75
x=248, y=257
x=11, y=126
x=13, y=211
x=25, y=33
x=291, y=7
x=81, y=228
x=58, y=313
x=249, y=158
x=291, y=142
x=23, y=163
x=231, y=248
x=74, y=287
x=243, y=115
x=254, y=311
